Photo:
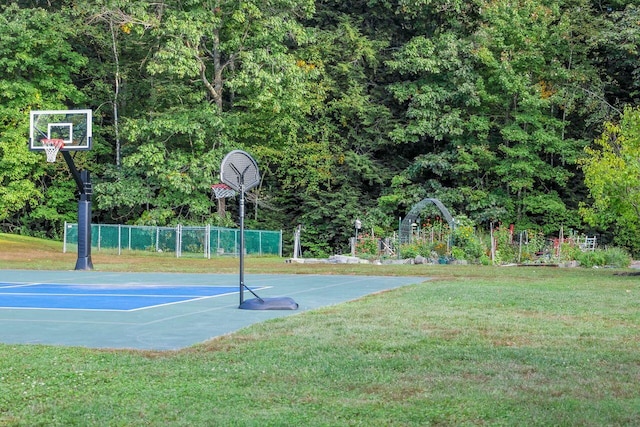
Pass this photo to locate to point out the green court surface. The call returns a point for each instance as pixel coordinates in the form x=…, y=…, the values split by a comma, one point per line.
x=169, y=326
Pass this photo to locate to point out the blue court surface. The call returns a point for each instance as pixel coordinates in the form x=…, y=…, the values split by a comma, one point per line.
x=156, y=311
x=103, y=297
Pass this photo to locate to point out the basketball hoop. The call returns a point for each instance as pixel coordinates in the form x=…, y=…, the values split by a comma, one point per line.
x=222, y=191
x=51, y=147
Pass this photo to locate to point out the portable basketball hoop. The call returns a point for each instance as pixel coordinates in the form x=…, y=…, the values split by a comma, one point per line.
x=239, y=171
x=51, y=148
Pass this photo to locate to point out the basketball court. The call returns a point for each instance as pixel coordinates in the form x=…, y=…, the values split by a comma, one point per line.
x=151, y=311
x=156, y=311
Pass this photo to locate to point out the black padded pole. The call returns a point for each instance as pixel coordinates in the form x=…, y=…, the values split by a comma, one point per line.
x=85, y=190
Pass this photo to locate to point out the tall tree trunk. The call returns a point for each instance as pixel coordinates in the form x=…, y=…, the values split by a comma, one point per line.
x=116, y=94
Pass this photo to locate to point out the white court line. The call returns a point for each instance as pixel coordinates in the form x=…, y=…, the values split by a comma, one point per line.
x=180, y=302
x=195, y=299
x=79, y=322
x=47, y=294
x=190, y=298
x=13, y=285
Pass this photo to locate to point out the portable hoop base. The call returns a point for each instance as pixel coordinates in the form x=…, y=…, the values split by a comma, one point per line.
x=281, y=303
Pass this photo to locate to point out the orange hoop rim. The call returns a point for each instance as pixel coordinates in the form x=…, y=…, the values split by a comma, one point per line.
x=53, y=141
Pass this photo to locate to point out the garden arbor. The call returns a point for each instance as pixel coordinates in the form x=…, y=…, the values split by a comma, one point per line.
x=406, y=226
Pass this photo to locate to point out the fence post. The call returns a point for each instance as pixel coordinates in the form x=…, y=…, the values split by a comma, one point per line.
x=119, y=239
x=207, y=249
x=493, y=245
x=99, y=237
x=64, y=238
x=280, y=245
x=178, y=243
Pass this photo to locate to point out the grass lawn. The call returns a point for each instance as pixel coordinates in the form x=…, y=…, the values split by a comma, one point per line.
x=476, y=346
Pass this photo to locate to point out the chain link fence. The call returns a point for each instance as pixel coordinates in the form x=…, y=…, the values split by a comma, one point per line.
x=180, y=240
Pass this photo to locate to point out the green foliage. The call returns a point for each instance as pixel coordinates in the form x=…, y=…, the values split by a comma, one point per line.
x=37, y=66
x=431, y=240
x=617, y=257
x=421, y=248
x=59, y=205
x=505, y=250
x=467, y=244
x=612, y=173
x=591, y=259
x=485, y=105
x=610, y=257
x=327, y=218
x=619, y=38
x=353, y=109
x=530, y=244
x=367, y=246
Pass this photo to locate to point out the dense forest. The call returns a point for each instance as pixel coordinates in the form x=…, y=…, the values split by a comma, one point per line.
x=353, y=109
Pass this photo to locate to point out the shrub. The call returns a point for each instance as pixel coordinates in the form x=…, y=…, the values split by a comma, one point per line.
x=458, y=253
x=614, y=257
x=569, y=252
x=529, y=244
x=440, y=248
x=367, y=246
x=505, y=250
x=617, y=257
x=467, y=245
x=409, y=251
x=422, y=248
x=591, y=258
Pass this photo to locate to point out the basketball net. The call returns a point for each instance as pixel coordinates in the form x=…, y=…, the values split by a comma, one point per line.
x=222, y=191
x=51, y=147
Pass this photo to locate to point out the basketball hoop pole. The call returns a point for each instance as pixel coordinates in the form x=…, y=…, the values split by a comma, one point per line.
x=242, y=285
x=241, y=208
x=85, y=190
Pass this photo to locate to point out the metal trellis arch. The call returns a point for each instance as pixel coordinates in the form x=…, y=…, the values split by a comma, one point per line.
x=406, y=226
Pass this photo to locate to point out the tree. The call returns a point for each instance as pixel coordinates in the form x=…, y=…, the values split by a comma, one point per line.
x=217, y=75
x=612, y=174
x=37, y=67
x=115, y=55
x=483, y=102
x=353, y=109
x=617, y=53
x=341, y=157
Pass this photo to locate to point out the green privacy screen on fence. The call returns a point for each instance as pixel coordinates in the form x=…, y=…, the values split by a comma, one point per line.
x=205, y=241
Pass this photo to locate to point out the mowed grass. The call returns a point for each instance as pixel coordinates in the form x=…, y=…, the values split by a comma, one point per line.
x=475, y=346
